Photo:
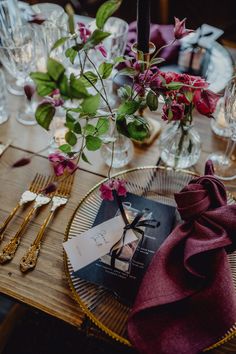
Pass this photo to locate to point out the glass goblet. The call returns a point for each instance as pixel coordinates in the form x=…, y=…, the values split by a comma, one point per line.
x=225, y=163
x=19, y=48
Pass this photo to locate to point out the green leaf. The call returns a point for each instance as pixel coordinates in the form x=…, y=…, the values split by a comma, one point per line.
x=44, y=114
x=38, y=76
x=124, y=92
x=71, y=54
x=66, y=148
x=137, y=130
x=89, y=78
x=59, y=42
x=102, y=126
x=134, y=127
x=105, y=11
x=174, y=85
x=93, y=143
x=127, y=72
x=189, y=95
x=71, y=24
x=128, y=107
x=43, y=82
x=77, y=128
x=89, y=129
x=63, y=86
x=55, y=69
x=71, y=138
x=91, y=104
x=105, y=70
x=77, y=88
x=152, y=101
x=118, y=60
x=70, y=120
x=96, y=37
x=44, y=89
x=156, y=61
x=84, y=158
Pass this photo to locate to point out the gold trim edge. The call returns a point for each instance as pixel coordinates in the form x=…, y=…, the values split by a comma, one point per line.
x=230, y=334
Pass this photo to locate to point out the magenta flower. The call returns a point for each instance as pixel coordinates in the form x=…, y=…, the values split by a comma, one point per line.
x=180, y=31
x=173, y=112
x=119, y=185
x=61, y=164
x=205, y=102
x=85, y=33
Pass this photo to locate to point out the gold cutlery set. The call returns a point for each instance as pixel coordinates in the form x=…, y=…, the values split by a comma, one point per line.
x=34, y=195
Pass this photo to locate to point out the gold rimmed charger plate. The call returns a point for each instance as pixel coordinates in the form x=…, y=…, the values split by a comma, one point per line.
x=101, y=306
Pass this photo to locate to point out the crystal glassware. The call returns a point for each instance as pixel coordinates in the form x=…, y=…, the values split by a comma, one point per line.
x=225, y=163
x=4, y=115
x=18, y=50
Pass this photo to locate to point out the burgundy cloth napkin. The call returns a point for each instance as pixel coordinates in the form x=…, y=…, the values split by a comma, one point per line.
x=160, y=35
x=187, y=300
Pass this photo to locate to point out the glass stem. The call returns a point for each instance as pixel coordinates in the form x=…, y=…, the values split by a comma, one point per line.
x=229, y=151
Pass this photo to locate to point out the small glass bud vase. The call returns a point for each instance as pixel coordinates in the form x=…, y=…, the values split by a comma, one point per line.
x=117, y=150
x=180, y=145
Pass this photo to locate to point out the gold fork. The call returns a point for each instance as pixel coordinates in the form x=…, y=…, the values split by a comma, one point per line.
x=26, y=197
x=29, y=260
x=10, y=248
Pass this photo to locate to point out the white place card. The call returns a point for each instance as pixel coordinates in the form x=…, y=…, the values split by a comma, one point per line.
x=96, y=242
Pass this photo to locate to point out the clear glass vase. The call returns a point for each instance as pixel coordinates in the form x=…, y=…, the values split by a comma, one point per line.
x=117, y=150
x=180, y=145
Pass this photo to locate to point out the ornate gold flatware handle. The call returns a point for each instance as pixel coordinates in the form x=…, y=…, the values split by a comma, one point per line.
x=26, y=197
x=9, y=250
x=29, y=260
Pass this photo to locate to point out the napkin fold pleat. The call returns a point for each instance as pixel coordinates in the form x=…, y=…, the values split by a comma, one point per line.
x=187, y=300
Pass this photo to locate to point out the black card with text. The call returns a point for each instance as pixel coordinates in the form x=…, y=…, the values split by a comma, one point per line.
x=124, y=278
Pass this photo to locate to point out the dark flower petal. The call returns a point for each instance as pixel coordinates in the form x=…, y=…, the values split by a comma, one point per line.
x=22, y=162
x=50, y=188
x=37, y=19
x=29, y=91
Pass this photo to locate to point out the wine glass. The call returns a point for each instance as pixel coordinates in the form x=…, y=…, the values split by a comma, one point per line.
x=18, y=53
x=225, y=163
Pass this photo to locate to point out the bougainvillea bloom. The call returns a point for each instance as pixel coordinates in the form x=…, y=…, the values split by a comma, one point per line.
x=61, y=164
x=106, y=189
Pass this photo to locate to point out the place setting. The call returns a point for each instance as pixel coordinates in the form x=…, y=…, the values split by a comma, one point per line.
x=149, y=251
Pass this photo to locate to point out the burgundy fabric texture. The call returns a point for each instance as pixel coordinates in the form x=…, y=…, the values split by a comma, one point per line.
x=160, y=35
x=187, y=300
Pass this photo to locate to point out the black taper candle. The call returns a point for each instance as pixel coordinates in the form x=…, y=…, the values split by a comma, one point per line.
x=143, y=25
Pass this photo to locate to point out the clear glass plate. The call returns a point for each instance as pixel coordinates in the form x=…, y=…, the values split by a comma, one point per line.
x=99, y=304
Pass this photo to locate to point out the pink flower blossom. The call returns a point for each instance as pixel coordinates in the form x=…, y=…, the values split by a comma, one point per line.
x=180, y=31
x=61, y=164
x=205, y=102
x=84, y=32
x=102, y=50
x=119, y=185
x=175, y=111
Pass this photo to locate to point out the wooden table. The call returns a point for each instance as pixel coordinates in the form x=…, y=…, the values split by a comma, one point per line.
x=46, y=287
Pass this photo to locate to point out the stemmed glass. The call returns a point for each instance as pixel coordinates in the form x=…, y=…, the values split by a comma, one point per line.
x=18, y=52
x=225, y=163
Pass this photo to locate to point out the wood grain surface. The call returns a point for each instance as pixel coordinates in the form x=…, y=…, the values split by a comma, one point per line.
x=46, y=288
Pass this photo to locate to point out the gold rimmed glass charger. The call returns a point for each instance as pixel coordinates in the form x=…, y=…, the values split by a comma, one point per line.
x=101, y=306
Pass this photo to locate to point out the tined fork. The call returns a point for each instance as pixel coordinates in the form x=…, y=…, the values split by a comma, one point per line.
x=29, y=260
x=10, y=248
x=26, y=197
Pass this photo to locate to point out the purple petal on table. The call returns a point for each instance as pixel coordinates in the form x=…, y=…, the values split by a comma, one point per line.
x=50, y=188
x=29, y=91
x=37, y=19
x=21, y=162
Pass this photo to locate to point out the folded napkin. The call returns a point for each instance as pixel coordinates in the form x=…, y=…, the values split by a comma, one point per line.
x=160, y=35
x=187, y=300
